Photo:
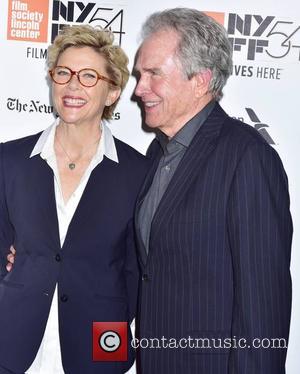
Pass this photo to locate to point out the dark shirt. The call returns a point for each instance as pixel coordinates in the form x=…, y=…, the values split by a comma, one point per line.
x=173, y=152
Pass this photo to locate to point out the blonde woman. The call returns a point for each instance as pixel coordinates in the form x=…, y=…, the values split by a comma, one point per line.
x=67, y=197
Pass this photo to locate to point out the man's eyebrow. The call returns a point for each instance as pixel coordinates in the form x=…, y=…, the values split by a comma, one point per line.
x=147, y=70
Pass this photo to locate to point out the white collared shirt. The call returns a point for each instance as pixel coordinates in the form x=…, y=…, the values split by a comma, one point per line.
x=48, y=358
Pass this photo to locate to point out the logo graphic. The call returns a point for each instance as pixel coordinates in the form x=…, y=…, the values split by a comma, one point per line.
x=32, y=106
x=267, y=36
x=28, y=20
x=66, y=13
x=110, y=341
x=260, y=127
x=217, y=16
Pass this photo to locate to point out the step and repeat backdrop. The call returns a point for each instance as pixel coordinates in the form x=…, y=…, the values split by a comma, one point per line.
x=263, y=90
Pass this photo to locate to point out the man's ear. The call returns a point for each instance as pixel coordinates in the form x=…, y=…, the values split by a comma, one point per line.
x=202, y=81
x=112, y=96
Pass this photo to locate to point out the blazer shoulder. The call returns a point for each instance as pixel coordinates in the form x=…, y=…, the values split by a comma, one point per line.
x=21, y=146
x=243, y=141
x=126, y=153
x=238, y=139
x=242, y=133
x=133, y=165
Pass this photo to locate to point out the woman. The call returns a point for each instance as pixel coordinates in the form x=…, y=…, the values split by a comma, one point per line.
x=66, y=204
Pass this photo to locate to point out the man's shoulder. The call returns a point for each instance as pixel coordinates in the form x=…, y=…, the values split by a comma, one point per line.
x=240, y=139
x=237, y=139
x=241, y=133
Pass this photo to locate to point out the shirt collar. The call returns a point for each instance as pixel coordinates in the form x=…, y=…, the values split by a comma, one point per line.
x=186, y=134
x=45, y=144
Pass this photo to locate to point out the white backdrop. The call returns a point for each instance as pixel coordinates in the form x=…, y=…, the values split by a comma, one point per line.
x=262, y=91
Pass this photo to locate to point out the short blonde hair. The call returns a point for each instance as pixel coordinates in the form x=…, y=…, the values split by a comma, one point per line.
x=102, y=42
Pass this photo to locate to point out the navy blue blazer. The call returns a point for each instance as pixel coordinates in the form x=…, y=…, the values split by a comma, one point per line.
x=219, y=256
x=96, y=270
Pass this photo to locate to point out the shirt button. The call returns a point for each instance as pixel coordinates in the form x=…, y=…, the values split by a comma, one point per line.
x=145, y=277
x=58, y=257
x=167, y=168
x=64, y=298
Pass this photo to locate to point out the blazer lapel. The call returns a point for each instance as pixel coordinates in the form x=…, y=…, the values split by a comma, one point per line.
x=42, y=181
x=156, y=153
x=189, y=168
x=97, y=187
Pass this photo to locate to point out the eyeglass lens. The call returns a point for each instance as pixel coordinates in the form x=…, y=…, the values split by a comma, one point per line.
x=62, y=75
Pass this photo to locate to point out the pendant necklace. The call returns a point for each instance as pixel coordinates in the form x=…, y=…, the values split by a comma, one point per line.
x=72, y=163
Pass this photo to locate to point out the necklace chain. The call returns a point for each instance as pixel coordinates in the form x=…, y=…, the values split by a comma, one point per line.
x=72, y=163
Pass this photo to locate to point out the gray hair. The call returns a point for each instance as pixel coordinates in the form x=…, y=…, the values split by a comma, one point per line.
x=203, y=43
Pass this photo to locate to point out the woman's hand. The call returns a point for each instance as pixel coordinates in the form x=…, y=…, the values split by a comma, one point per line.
x=11, y=258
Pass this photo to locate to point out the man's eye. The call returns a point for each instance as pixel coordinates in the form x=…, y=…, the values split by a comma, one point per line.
x=154, y=73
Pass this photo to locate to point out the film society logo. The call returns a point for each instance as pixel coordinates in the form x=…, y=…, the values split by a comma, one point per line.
x=260, y=38
x=28, y=20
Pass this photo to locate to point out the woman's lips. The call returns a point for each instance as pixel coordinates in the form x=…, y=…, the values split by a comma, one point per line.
x=73, y=102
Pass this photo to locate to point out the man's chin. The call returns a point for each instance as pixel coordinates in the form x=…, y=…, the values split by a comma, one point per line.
x=151, y=123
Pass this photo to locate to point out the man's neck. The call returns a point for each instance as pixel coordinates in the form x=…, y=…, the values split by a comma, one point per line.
x=171, y=131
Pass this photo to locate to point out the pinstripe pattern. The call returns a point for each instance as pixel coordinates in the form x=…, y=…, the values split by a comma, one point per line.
x=219, y=254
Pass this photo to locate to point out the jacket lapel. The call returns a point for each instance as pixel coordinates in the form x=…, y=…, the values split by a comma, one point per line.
x=42, y=181
x=155, y=152
x=98, y=186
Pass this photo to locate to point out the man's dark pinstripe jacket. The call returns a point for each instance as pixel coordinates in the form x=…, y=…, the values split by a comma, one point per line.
x=219, y=256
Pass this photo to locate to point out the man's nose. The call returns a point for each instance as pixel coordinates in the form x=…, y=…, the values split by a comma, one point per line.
x=142, y=86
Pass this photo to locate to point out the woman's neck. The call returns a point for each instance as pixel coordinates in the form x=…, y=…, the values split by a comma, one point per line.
x=76, y=138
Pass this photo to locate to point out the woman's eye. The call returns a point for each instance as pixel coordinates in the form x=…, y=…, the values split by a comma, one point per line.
x=91, y=76
x=62, y=72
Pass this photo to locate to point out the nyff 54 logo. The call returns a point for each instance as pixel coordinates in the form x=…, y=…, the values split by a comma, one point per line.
x=66, y=13
x=256, y=35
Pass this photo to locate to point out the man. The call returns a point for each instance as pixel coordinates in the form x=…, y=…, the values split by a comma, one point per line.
x=213, y=223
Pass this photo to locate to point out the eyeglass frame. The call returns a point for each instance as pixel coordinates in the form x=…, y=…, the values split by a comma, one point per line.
x=73, y=72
